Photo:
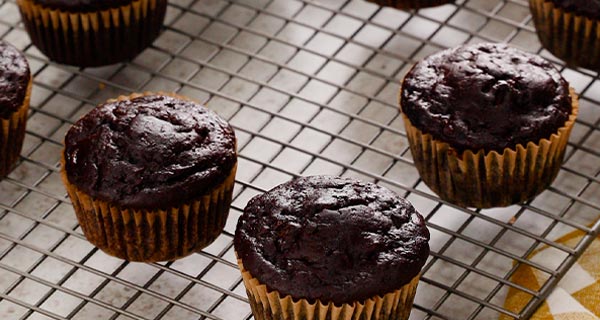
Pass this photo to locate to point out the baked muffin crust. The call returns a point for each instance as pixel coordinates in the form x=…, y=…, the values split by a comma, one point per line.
x=486, y=96
x=153, y=151
x=14, y=79
x=586, y=8
x=82, y=5
x=331, y=239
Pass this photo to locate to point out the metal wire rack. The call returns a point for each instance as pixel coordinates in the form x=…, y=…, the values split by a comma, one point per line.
x=311, y=88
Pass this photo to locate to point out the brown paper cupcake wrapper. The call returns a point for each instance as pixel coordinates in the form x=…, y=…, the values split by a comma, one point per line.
x=411, y=4
x=270, y=305
x=483, y=180
x=571, y=37
x=12, y=134
x=152, y=235
x=88, y=39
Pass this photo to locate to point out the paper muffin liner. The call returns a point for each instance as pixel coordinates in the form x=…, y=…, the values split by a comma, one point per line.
x=411, y=4
x=12, y=134
x=570, y=37
x=148, y=235
x=484, y=180
x=271, y=305
x=88, y=39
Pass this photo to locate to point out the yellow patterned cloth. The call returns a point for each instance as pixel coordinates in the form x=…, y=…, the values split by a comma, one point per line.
x=577, y=296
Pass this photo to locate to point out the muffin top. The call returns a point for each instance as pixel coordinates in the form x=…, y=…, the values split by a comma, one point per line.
x=331, y=239
x=587, y=8
x=486, y=96
x=152, y=151
x=14, y=79
x=82, y=5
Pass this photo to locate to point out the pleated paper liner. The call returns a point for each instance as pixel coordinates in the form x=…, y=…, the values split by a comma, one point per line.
x=12, y=134
x=571, y=37
x=480, y=180
x=152, y=235
x=270, y=305
x=411, y=4
x=89, y=39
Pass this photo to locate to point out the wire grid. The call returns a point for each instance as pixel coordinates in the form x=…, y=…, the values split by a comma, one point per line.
x=311, y=88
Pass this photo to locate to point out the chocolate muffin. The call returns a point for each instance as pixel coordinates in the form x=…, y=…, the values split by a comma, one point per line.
x=339, y=248
x=91, y=33
x=569, y=29
x=411, y=4
x=15, y=91
x=150, y=176
x=487, y=124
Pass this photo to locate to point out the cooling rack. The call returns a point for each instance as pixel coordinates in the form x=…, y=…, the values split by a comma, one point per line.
x=310, y=87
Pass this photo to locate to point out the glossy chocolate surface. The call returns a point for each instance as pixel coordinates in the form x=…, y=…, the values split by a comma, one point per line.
x=486, y=96
x=331, y=239
x=14, y=79
x=149, y=152
x=82, y=5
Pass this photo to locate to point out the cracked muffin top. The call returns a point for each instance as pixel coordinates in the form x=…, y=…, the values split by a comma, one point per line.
x=14, y=79
x=486, y=96
x=331, y=239
x=150, y=151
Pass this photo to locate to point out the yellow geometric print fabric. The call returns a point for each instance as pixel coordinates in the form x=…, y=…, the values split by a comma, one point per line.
x=577, y=296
